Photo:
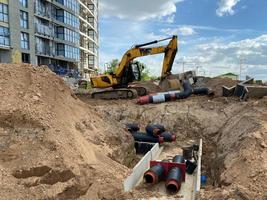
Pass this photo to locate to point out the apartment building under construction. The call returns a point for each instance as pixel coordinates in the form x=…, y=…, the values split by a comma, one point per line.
x=62, y=34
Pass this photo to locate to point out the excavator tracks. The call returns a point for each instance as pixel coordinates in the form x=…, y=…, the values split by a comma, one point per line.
x=115, y=94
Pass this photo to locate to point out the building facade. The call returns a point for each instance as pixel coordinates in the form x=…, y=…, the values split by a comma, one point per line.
x=62, y=34
x=229, y=75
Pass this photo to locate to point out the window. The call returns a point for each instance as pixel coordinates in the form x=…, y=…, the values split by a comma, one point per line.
x=60, y=33
x=67, y=34
x=24, y=40
x=24, y=3
x=4, y=36
x=60, y=15
x=68, y=51
x=42, y=46
x=60, y=49
x=91, y=60
x=24, y=21
x=25, y=57
x=3, y=12
x=67, y=18
x=71, y=4
x=91, y=7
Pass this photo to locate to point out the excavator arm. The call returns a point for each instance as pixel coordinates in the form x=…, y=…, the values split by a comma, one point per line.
x=169, y=51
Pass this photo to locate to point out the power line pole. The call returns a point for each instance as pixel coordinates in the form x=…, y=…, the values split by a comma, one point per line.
x=241, y=62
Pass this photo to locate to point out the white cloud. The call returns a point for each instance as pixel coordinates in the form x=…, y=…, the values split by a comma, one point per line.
x=226, y=7
x=170, y=18
x=183, y=30
x=138, y=9
x=220, y=57
x=186, y=30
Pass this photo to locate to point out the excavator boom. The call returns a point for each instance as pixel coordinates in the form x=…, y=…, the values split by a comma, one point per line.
x=140, y=51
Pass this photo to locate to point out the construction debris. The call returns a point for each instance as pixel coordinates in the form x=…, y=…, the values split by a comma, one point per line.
x=245, y=90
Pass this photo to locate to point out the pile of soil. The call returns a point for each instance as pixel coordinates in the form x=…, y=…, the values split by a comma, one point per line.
x=53, y=146
x=216, y=84
x=151, y=86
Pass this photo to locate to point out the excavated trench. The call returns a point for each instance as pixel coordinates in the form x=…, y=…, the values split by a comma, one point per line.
x=228, y=128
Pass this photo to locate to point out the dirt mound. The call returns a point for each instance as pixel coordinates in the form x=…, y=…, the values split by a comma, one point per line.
x=150, y=86
x=52, y=145
x=216, y=84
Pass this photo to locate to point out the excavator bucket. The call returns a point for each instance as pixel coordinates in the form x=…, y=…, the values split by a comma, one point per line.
x=170, y=84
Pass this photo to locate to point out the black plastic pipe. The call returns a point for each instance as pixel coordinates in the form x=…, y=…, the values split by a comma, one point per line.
x=155, y=129
x=142, y=137
x=168, y=137
x=154, y=175
x=132, y=127
x=187, y=152
x=187, y=90
x=174, y=180
x=178, y=159
x=201, y=91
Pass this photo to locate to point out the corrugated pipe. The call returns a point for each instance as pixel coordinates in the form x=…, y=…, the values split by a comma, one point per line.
x=174, y=178
x=142, y=137
x=155, y=129
x=154, y=175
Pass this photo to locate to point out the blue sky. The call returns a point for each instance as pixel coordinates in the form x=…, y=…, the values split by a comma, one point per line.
x=215, y=36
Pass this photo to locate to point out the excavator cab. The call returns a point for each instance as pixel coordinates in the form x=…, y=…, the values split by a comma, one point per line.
x=131, y=73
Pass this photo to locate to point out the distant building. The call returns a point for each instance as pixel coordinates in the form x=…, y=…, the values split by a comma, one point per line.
x=62, y=34
x=229, y=75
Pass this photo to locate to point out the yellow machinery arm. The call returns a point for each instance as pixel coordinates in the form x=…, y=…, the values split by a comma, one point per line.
x=169, y=50
x=125, y=74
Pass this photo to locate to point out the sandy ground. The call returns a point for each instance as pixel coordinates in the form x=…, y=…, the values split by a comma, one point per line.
x=55, y=146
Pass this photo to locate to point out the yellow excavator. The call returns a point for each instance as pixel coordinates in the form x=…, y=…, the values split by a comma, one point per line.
x=117, y=85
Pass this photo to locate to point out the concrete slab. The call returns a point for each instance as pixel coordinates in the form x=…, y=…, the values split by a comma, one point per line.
x=198, y=173
x=227, y=92
x=239, y=90
x=255, y=91
x=137, y=175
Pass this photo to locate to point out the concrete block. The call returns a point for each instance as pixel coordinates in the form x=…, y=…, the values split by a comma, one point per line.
x=143, y=147
x=227, y=92
x=254, y=91
x=141, y=167
x=239, y=90
x=197, y=181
